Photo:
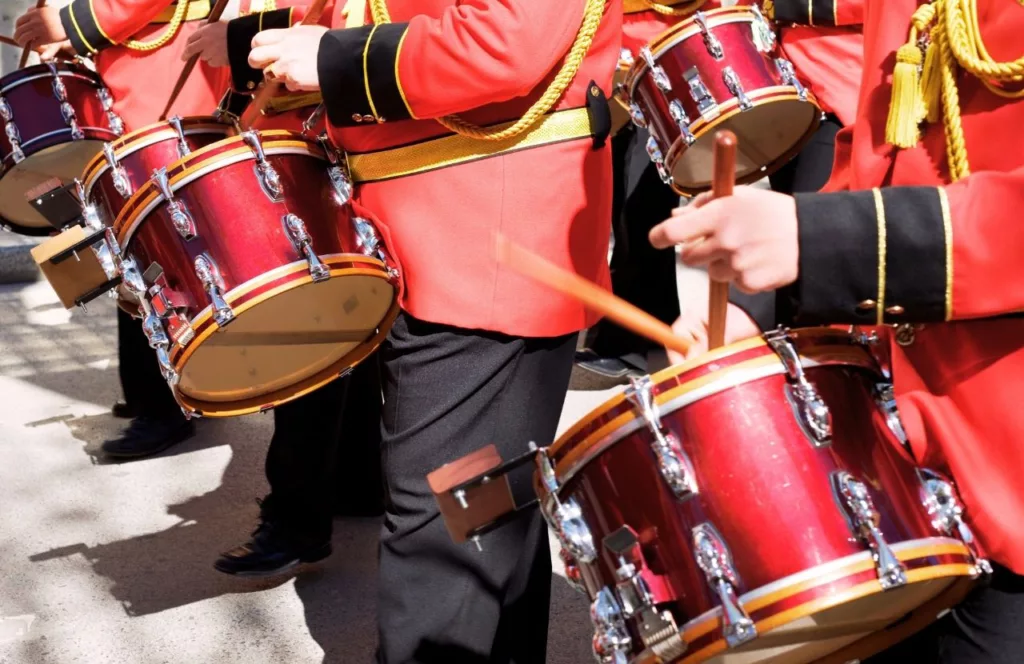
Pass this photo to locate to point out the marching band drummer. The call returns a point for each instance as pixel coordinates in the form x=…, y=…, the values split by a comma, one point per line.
x=128, y=41
x=919, y=230
x=324, y=456
x=479, y=354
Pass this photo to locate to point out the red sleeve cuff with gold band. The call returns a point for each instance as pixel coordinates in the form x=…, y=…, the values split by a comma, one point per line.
x=240, y=33
x=817, y=12
x=85, y=34
x=358, y=70
x=873, y=257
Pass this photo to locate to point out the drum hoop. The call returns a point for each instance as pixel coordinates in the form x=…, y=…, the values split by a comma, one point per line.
x=146, y=199
x=145, y=137
x=93, y=80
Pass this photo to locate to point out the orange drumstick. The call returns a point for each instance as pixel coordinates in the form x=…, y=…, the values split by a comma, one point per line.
x=723, y=179
x=593, y=296
x=214, y=16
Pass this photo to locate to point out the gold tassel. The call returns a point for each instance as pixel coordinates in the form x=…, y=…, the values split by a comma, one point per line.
x=931, y=82
x=906, y=107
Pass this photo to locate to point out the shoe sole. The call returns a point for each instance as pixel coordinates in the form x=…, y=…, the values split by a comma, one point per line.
x=173, y=440
x=308, y=559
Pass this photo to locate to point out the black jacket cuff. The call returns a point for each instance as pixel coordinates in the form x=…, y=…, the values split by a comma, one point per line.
x=872, y=257
x=359, y=76
x=804, y=12
x=82, y=30
x=240, y=33
x=759, y=306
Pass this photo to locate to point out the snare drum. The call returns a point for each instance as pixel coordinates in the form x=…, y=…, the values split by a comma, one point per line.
x=754, y=505
x=270, y=287
x=56, y=117
x=719, y=70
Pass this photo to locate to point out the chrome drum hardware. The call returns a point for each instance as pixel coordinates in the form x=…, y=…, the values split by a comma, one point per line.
x=732, y=81
x=762, y=33
x=711, y=42
x=660, y=77
x=270, y=181
x=303, y=243
x=183, y=149
x=714, y=560
x=885, y=399
x=654, y=152
x=117, y=172
x=114, y=120
x=181, y=219
x=682, y=120
x=940, y=499
x=706, y=104
x=788, y=75
x=67, y=111
x=209, y=276
x=853, y=495
x=673, y=463
x=565, y=519
x=11, y=131
x=811, y=410
x=612, y=642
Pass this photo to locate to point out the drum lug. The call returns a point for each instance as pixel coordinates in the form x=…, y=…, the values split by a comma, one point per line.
x=572, y=570
x=654, y=152
x=209, y=275
x=732, y=82
x=714, y=560
x=706, y=104
x=67, y=111
x=118, y=173
x=762, y=33
x=153, y=328
x=183, y=149
x=612, y=642
x=673, y=463
x=788, y=74
x=637, y=115
x=303, y=243
x=626, y=58
x=90, y=216
x=885, y=399
x=574, y=532
x=678, y=114
x=659, y=75
x=168, y=305
x=811, y=410
x=940, y=499
x=11, y=130
x=711, y=42
x=270, y=181
x=181, y=219
x=114, y=120
x=854, y=495
x=337, y=171
x=367, y=239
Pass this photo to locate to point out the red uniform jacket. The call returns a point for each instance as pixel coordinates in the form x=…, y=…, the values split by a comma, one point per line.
x=487, y=60
x=825, y=42
x=948, y=256
x=140, y=81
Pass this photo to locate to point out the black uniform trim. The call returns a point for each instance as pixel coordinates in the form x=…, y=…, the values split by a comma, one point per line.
x=915, y=275
x=806, y=12
x=240, y=34
x=358, y=74
x=84, y=33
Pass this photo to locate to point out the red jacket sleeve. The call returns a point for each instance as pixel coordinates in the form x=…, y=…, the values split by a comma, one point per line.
x=912, y=254
x=476, y=53
x=93, y=25
x=816, y=12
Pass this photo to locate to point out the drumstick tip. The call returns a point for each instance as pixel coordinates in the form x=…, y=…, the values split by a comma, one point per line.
x=725, y=138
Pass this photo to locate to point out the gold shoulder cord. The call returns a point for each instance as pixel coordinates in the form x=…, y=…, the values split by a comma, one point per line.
x=676, y=10
x=172, y=29
x=592, y=15
x=953, y=36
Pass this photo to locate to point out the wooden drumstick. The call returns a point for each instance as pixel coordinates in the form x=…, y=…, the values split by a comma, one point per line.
x=722, y=182
x=271, y=87
x=10, y=42
x=215, y=14
x=24, y=55
x=593, y=296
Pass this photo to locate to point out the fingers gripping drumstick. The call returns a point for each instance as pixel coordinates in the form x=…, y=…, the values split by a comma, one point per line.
x=272, y=87
x=593, y=296
x=215, y=14
x=722, y=183
x=24, y=55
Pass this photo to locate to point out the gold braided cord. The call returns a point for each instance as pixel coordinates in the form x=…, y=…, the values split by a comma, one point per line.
x=677, y=10
x=969, y=48
x=956, y=144
x=592, y=15
x=172, y=29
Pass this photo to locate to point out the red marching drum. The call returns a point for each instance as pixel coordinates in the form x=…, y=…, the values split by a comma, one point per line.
x=56, y=117
x=261, y=283
x=718, y=70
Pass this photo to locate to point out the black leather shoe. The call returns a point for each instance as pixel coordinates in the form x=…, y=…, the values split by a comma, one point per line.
x=123, y=411
x=272, y=550
x=146, y=436
x=607, y=367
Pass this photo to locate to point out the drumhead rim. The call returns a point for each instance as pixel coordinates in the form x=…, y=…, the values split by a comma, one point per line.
x=65, y=68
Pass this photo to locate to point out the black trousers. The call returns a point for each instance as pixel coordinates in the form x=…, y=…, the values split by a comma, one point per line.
x=641, y=274
x=986, y=628
x=145, y=389
x=324, y=457
x=449, y=392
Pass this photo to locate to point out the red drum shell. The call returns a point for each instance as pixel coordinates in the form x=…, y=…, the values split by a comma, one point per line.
x=142, y=152
x=45, y=137
x=235, y=369
x=773, y=131
x=767, y=491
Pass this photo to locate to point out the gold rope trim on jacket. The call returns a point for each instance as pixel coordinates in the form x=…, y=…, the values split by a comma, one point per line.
x=197, y=11
x=456, y=149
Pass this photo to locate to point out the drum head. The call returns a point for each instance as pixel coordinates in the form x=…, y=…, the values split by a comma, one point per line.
x=66, y=162
x=286, y=339
x=768, y=136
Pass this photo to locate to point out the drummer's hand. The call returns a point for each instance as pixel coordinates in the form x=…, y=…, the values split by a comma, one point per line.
x=51, y=51
x=210, y=43
x=749, y=238
x=289, y=55
x=692, y=325
x=38, y=27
